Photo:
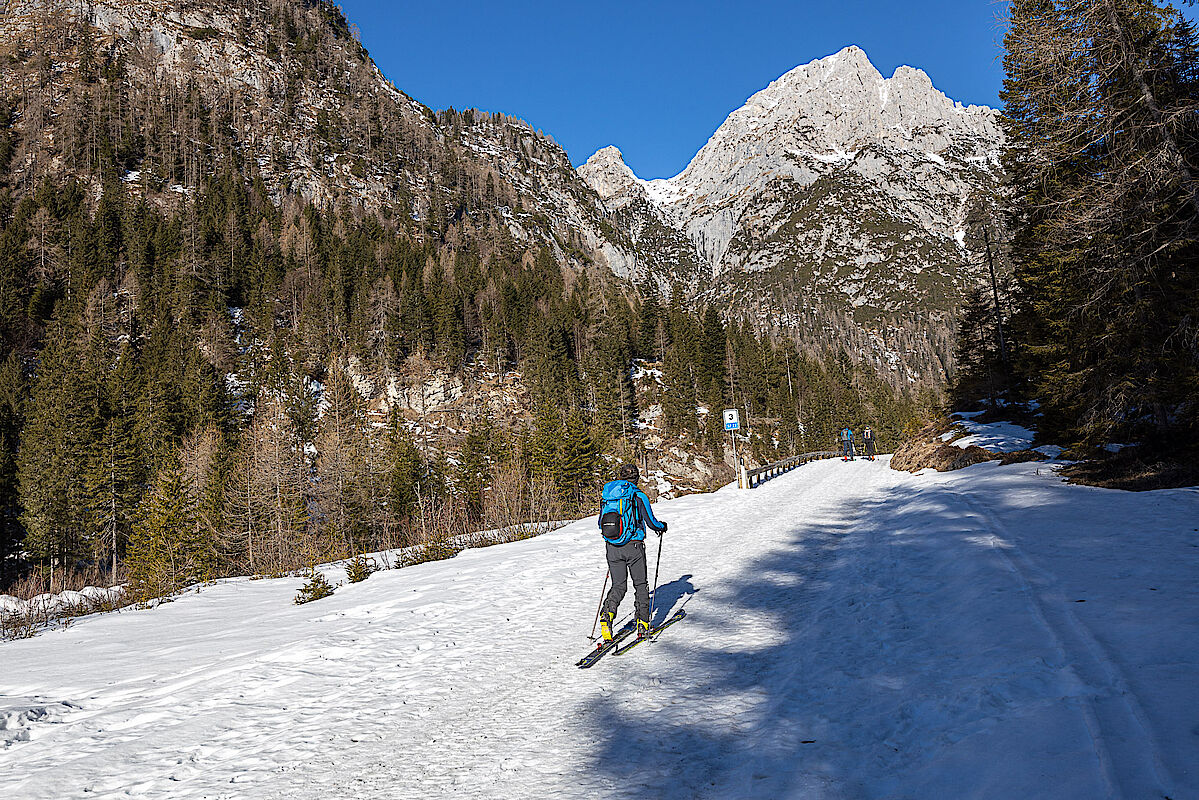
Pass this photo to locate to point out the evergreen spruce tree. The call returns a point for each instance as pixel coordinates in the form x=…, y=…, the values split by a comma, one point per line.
x=51, y=463
x=168, y=550
x=978, y=373
x=474, y=468
x=1099, y=110
x=543, y=449
x=714, y=423
x=113, y=485
x=578, y=462
x=678, y=393
x=12, y=416
x=406, y=469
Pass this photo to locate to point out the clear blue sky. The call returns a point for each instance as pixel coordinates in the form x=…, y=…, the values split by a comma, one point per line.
x=657, y=77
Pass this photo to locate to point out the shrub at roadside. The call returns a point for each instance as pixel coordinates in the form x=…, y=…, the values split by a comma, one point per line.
x=318, y=586
x=360, y=568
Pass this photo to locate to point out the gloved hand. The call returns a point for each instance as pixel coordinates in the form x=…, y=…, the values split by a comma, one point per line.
x=664, y=527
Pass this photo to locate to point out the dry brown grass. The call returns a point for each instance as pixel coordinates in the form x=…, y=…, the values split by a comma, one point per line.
x=1137, y=469
x=42, y=591
x=926, y=449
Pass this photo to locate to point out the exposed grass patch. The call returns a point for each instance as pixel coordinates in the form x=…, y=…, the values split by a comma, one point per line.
x=926, y=449
x=1137, y=469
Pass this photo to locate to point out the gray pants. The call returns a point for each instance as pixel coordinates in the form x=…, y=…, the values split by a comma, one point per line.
x=625, y=561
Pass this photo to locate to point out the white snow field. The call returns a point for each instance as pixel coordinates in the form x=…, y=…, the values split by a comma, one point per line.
x=852, y=632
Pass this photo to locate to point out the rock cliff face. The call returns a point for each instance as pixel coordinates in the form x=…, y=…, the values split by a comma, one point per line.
x=833, y=189
x=281, y=90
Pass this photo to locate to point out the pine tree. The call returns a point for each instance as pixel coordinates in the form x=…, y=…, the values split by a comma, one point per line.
x=711, y=356
x=50, y=465
x=406, y=469
x=12, y=414
x=1099, y=109
x=611, y=384
x=714, y=423
x=168, y=550
x=543, y=448
x=678, y=393
x=577, y=462
x=979, y=373
x=474, y=467
x=113, y=487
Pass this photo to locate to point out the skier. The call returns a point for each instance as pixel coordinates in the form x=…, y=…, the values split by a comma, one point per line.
x=868, y=438
x=847, y=443
x=623, y=516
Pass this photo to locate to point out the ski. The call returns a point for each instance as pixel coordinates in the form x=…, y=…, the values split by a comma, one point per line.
x=653, y=632
x=606, y=647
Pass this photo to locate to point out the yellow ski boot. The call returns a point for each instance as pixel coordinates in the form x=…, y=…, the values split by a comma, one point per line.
x=606, y=625
x=642, y=628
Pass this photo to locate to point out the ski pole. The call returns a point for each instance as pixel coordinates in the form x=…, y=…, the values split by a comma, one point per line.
x=653, y=600
x=601, y=604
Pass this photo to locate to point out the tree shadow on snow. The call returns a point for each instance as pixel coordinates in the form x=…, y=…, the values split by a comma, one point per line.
x=668, y=596
x=812, y=687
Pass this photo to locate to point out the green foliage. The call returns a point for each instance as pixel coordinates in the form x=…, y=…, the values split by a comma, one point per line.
x=406, y=470
x=678, y=396
x=317, y=588
x=51, y=464
x=436, y=550
x=360, y=568
x=578, y=462
x=12, y=404
x=473, y=471
x=980, y=372
x=1103, y=147
x=168, y=549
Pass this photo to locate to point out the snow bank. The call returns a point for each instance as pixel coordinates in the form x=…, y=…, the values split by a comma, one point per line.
x=998, y=437
x=852, y=631
x=47, y=603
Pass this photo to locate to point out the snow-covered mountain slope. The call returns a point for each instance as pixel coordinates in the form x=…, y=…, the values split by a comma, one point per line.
x=852, y=632
x=833, y=188
x=835, y=117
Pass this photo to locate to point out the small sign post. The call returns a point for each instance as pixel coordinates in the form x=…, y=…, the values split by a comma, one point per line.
x=732, y=424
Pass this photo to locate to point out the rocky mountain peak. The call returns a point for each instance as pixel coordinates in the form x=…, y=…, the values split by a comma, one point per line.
x=607, y=173
x=850, y=189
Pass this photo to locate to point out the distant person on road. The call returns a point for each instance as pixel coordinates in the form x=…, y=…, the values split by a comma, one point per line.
x=847, y=444
x=868, y=439
x=623, y=516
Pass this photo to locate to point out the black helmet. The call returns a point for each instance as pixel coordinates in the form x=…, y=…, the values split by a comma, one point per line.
x=628, y=472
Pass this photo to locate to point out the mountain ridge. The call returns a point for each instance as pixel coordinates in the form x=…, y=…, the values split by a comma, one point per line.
x=334, y=129
x=833, y=187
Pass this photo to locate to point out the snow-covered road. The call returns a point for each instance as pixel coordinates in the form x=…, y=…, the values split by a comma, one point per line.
x=852, y=632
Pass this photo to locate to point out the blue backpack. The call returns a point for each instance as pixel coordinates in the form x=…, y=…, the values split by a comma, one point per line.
x=618, y=514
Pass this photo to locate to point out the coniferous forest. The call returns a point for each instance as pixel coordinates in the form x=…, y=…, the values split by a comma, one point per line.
x=208, y=372
x=1100, y=322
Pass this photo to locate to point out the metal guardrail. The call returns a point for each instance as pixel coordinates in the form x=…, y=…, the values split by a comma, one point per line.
x=755, y=477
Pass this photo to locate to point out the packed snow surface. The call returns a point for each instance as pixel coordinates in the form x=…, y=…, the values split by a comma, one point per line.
x=998, y=437
x=852, y=632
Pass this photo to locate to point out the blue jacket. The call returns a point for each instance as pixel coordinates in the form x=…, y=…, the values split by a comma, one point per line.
x=642, y=513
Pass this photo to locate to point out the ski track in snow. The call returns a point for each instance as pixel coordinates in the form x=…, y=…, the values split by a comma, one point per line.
x=852, y=632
